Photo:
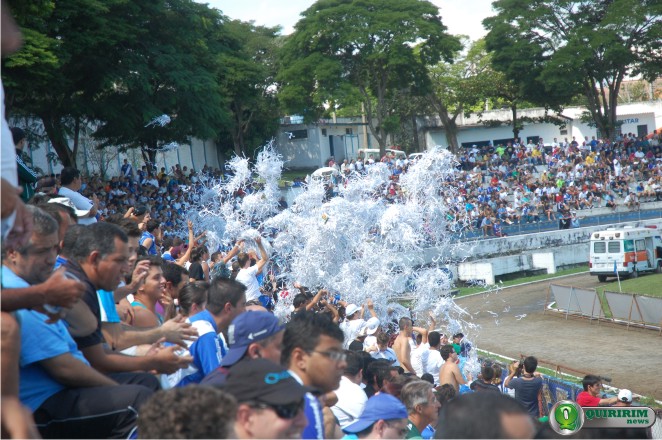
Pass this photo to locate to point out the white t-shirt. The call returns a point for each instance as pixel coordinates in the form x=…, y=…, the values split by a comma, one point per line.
x=432, y=362
x=80, y=202
x=351, y=329
x=351, y=402
x=248, y=278
x=416, y=358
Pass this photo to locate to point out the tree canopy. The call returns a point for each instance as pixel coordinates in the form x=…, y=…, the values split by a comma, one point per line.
x=375, y=47
x=117, y=64
x=558, y=48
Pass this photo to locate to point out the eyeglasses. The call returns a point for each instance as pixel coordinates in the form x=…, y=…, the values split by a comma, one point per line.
x=399, y=427
x=335, y=356
x=287, y=411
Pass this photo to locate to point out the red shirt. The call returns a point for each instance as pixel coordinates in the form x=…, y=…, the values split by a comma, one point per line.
x=586, y=399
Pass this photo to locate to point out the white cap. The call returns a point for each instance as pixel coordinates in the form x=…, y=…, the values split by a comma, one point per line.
x=351, y=309
x=66, y=201
x=625, y=396
x=371, y=325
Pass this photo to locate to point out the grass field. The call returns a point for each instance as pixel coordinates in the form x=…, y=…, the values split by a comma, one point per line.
x=477, y=289
x=649, y=284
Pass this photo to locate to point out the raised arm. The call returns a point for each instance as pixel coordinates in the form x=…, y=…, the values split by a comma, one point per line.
x=264, y=257
x=371, y=308
x=234, y=251
x=423, y=332
x=316, y=299
x=191, y=242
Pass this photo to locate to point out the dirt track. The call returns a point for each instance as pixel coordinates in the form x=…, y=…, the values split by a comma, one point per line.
x=632, y=358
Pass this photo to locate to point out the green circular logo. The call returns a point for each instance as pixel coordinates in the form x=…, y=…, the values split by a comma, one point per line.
x=566, y=417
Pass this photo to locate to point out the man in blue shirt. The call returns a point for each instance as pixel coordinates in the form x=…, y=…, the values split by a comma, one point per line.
x=313, y=352
x=68, y=397
x=227, y=300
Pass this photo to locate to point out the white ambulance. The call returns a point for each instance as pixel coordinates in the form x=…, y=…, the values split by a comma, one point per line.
x=627, y=251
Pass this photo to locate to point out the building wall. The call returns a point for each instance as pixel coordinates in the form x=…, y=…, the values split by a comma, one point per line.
x=90, y=160
x=472, y=130
x=315, y=150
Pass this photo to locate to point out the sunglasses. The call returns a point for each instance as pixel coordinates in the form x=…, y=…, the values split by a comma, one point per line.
x=334, y=356
x=285, y=411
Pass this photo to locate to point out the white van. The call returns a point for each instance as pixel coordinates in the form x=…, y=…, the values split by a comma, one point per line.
x=366, y=152
x=627, y=251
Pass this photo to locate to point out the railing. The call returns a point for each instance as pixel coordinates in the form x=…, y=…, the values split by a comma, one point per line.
x=553, y=225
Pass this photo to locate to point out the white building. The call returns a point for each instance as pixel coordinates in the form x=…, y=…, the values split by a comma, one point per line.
x=90, y=160
x=638, y=118
x=311, y=145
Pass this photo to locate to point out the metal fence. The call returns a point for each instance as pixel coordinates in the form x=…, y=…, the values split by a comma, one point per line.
x=553, y=225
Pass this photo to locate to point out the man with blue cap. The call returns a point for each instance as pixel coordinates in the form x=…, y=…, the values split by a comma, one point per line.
x=384, y=416
x=251, y=335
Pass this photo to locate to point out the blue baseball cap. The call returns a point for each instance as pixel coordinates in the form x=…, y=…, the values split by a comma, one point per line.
x=249, y=327
x=380, y=407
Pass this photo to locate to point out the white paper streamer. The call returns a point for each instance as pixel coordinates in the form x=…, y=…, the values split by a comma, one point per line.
x=359, y=243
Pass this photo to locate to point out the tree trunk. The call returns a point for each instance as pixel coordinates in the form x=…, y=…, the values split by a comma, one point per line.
x=449, y=123
x=376, y=131
x=56, y=135
x=516, y=130
x=238, y=131
x=414, y=125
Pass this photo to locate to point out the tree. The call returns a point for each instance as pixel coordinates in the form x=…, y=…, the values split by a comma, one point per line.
x=68, y=45
x=116, y=65
x=248, y=82
x=461, y=87
x=374, y=47
x=171, y=69
x=576, y=46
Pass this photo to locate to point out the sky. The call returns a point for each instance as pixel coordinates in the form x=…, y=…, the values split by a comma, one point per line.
x=460, y=16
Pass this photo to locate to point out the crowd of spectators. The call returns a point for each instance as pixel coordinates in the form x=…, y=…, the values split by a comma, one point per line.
x=119, y=343
x=111, y=331
x=142, y=305
x=538, y=182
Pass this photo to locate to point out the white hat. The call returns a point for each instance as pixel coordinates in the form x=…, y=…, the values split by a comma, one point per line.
x=351, y=309
x=66, y=201
x=625, y=396
x=371, y=325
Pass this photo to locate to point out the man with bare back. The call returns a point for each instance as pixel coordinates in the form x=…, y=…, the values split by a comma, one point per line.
x=449, y=373
x=403, y=345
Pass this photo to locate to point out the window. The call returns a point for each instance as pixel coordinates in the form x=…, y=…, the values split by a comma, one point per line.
x=504, y=142
x=348, y=131
x=324, y=132
x=476, y=143
x=298, y=134
x=642, y=130
x=563, y=132
x=599, y=247
x=614, y=247
x=641, y=245
x=628, y=245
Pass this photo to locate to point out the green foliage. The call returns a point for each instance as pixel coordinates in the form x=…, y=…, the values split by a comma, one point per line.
x=461, y=87
x=248, y=79
x=554, y=49
x=119, y=64
x=374, y=48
